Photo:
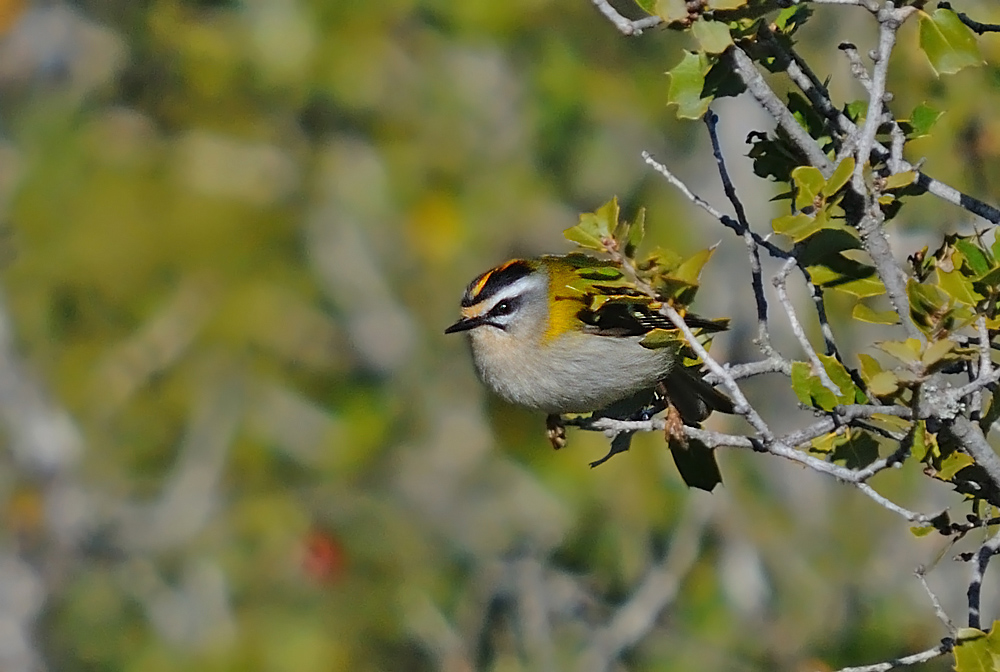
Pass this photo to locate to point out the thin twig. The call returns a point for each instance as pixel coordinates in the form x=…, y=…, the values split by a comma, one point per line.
x=626, y=26
x=781, y=285
x=921, y=574
x=974, y=26
x=917, y=658
x=756, y=276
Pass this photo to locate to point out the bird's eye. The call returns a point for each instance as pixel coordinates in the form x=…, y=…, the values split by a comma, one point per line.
x=503, y=308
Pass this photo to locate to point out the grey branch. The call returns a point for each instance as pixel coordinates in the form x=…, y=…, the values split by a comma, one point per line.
x=906, y=661
x=625, y=25
x=983, y=557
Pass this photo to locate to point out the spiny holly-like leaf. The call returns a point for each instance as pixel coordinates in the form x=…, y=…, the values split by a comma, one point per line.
x=687, y=81
x=866, y=314
x=713, y=36
x=690, y=270
x=948, y=43
x=937, y=351
x=959, y=287
x=809, y=389
x=849, y=393
x=978, y=259
x=628, y=235
x=595, y=227
x=953, y=464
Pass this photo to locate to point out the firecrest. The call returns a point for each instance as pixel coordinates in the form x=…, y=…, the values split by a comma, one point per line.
x=537, y=342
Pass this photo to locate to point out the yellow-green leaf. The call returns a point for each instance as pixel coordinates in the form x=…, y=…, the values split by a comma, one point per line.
x=936, y=351
x=687, y=81
x=907, y=351
x=953, y=464
x=883, y=383
x=866, y=314
x=898, y=180
x=712, y=35
x=809, y=183
x=841, y=174
x=949, y=44
x=690, y=270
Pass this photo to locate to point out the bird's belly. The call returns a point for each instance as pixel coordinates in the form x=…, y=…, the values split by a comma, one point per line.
x=584, y=376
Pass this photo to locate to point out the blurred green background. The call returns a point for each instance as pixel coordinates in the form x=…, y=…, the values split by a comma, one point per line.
x=238, y=439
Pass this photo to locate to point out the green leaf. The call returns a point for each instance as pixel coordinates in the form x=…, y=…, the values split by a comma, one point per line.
x=712, y=35
x=690, y=270
x=726, y=4
x=958, y=286
x=953, y=464
x=856, y=450
x=865, y=314
x=798, y=227
x=809, y=389
x=978, y=262
x=660, y=338
x=936, y=351
x=809, y=182
x=668, y=10
x=841, y=174
x=869, y=366
x=595, y=227
x=687, y=81
x=975, y=651
x=883, y=384
x=857, y=110
x=949, y=44
x=907, y=351
x=922, y=119
x=898, y=180
x=917, y=439
x=922, y=531
x=849, y=392
x=791, y=18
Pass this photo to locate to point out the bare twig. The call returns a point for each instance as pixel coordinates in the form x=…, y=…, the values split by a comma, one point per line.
x=759, y=89
x=780, y=284
x=756, y=277
x=917, y=658
x=974, y=26
x=921, y=574
x=625, y=25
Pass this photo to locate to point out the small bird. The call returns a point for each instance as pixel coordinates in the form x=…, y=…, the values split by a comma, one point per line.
x=540, y=340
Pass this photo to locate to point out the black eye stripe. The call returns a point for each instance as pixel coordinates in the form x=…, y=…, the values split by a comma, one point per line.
x=491, y=282
x=505, y=307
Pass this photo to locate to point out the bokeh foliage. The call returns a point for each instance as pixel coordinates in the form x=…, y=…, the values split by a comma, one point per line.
x=234, y=233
